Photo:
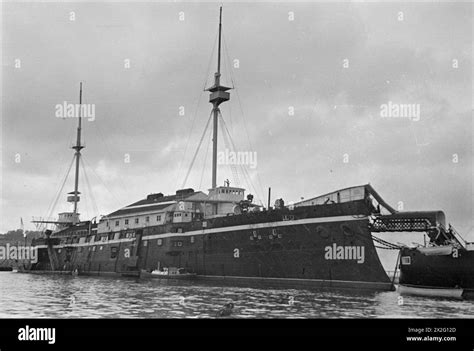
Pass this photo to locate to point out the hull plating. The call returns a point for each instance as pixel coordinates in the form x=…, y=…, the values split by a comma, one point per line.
x=304, y=248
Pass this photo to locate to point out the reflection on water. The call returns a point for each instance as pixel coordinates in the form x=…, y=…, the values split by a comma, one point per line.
x=46, y=296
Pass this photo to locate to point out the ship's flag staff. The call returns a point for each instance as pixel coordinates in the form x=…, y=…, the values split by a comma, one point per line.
x=23, y=229
x=218, y=95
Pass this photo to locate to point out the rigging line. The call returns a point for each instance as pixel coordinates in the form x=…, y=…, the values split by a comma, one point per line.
x=53, y=205
x=86, y=213
x=245, y=125
x=94, y=202
x=228, y=68
x=101, y=181
x=386, y=243
x=197, y=150
x=206, y=78
x=248, y=135
x=384, y=248
x=71, y=130
x=247, y=177
x=210, y=62
x=205, y=159
x=108, y=153
x=244, y=170
x=50, y=210
x=228, y=58
x=227, y=144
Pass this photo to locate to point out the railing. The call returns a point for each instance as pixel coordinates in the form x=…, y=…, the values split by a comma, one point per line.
x=388, y=224
x=457, y=236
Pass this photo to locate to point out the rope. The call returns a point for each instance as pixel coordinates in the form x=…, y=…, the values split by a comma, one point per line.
x=52, y=207
x=244, y=170
x=206, y=78
x=109, y=154
x=232, y=167
x=63, y=157
x=204, y=164
x=396, y=267
x=228, y=68
x=243, y=116
x=197, y=150
x=228, y=58
x=228, y=139
x=89, y=188
x=210, y=61
x=84, y=198
x=388, y=245
x=100, y=179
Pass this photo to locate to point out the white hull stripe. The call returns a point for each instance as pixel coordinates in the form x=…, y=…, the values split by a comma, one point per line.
x=257, y=226
x=95, y=243
x=222, y=230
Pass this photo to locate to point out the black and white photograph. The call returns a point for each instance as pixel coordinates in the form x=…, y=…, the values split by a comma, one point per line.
x=236, y=160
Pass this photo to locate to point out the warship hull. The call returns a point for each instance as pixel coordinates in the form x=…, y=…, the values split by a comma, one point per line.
x=322, y=246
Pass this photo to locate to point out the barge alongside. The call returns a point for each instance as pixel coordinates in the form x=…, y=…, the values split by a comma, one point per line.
x=443, y=268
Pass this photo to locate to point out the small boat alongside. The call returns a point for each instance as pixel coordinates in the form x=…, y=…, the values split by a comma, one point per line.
x=168, y=273
x=429, y=291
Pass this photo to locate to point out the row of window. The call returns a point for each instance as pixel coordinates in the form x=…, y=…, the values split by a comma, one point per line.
x=137, y=220
x=229, y=191
x=114, y=250
x=176, y=243
x=179, y=214
x=101, y=238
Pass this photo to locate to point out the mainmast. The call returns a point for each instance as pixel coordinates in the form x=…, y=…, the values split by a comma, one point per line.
x=218, y=95
x=78, y=147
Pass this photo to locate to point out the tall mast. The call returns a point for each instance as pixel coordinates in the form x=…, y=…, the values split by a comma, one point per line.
x=218, y=95
x=78, y=147
x=219, y=46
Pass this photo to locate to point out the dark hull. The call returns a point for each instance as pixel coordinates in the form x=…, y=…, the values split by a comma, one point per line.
x=438, y=271
x=279, y=247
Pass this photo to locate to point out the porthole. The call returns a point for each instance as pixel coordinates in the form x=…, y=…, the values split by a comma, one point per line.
x=347, y=230
x=322, y=232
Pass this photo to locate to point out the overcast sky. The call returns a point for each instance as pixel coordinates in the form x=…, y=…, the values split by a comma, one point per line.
x=334, y=64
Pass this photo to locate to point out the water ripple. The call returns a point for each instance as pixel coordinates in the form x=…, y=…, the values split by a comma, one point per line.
x=46, y=296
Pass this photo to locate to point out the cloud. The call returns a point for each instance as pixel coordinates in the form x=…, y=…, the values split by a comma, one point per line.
x=282, y=64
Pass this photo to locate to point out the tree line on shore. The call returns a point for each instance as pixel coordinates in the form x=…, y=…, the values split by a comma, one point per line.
x=16, y=236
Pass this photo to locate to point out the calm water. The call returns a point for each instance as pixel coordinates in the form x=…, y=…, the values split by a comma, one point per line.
x=35, y=296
